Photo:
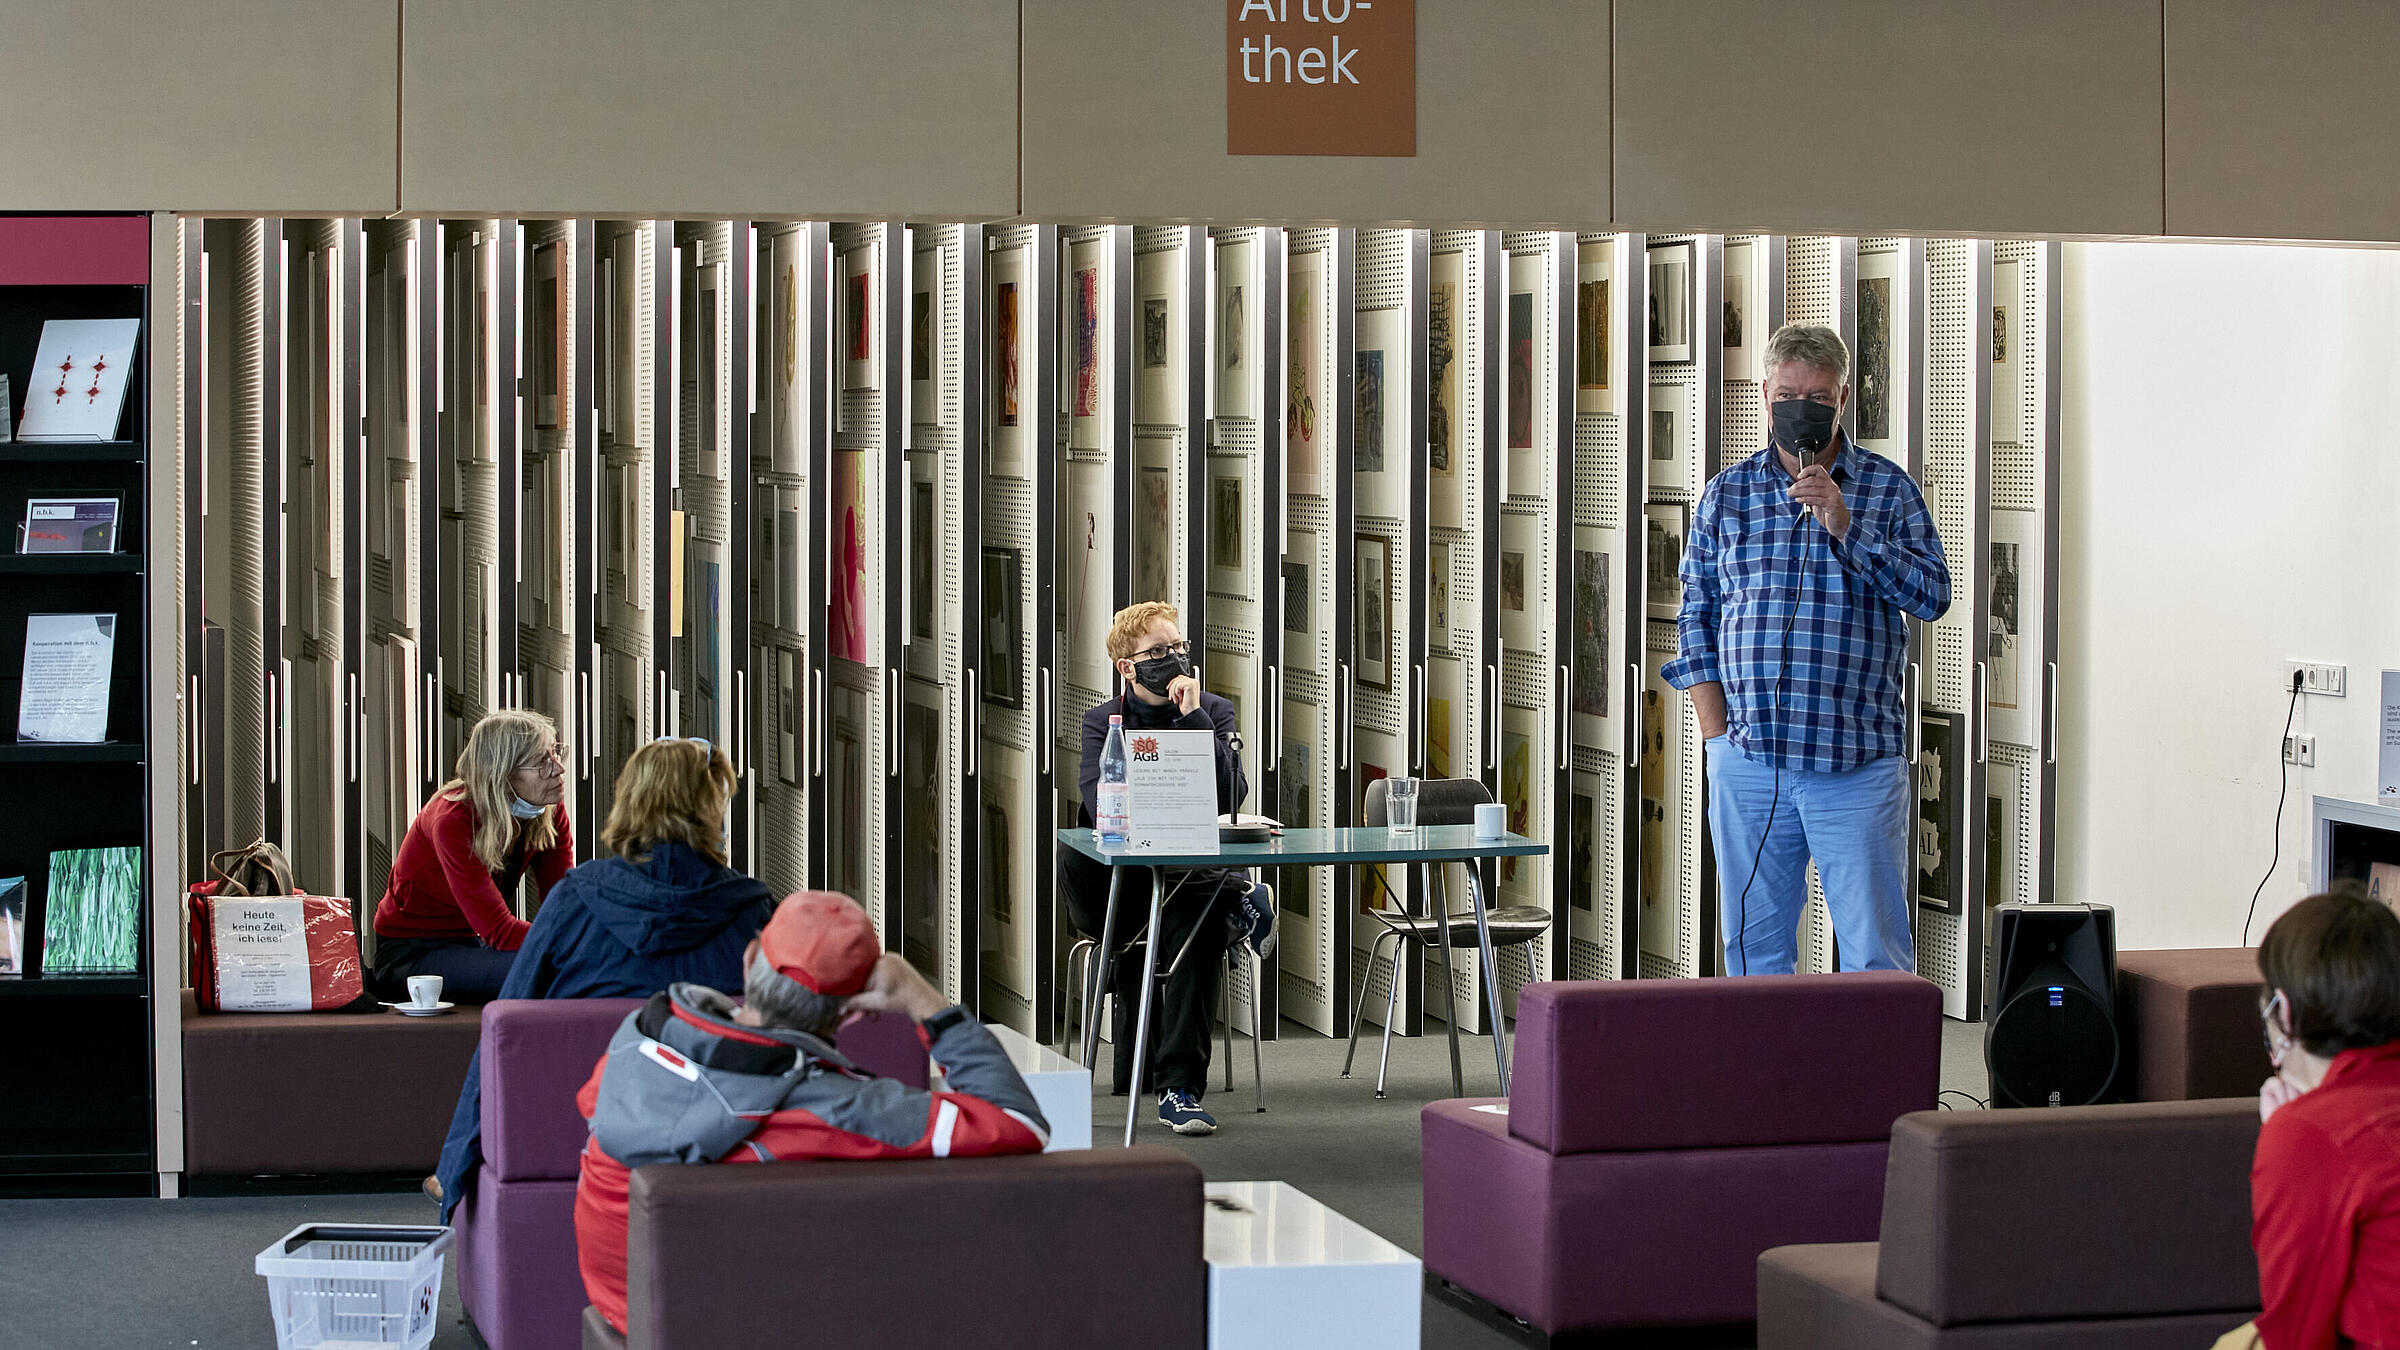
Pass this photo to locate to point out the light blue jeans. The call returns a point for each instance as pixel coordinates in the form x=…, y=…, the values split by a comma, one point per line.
x=1855, y=824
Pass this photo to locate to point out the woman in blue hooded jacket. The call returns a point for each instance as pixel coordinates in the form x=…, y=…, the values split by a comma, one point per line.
x=667, y=909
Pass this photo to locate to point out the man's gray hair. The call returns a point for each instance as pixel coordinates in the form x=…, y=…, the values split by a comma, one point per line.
x=783, y=1002
x=1809, y=344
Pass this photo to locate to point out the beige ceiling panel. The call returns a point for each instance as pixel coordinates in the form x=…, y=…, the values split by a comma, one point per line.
x=2282, y=119
x=251, y=106
x=1125, y=120
x=1887, y=116
x=747, y=108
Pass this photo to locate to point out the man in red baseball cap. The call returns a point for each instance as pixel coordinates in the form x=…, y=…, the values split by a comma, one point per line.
x=693, y=1077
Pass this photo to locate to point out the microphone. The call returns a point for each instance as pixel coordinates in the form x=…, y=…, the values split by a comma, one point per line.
x=1839, y=478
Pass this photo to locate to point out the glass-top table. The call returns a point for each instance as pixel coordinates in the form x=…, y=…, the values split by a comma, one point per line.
x=1342, y=847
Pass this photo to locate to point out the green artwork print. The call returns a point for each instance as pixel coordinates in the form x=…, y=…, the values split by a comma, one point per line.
x=89, y=925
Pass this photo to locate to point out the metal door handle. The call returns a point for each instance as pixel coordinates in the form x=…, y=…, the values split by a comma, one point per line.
x=1491, y=747
x=891, y=723
x=2050, y=730
x=1271, y=754
x=583, y=709
x=1916, y=711
x=271, y=709
x=1633, y=693
x=1048, y=720
x=974, y=727
x=816, y=721
x=1564, y=740
x=1424, y=739
x=1983, y=722
x=358, y=723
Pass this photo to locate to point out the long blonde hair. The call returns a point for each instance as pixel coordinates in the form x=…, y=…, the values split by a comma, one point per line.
x=502, y=743
x=670, y=792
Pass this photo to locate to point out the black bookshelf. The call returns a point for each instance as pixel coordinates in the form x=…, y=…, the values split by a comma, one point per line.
x=79, y=1116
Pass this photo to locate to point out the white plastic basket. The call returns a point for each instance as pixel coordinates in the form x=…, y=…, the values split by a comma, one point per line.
x=355, y=1286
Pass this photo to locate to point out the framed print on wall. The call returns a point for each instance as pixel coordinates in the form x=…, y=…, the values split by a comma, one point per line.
x=925, y=290
x=1159, y=337
x=1665, y=527
x=546, y=345
x=1879, y=379
x=787, y=717
x=925, y=547
x=1742, y=294
x=1521, y=577
x=2008, y=354
x=1437, y=595
x=1528, y=356
x=1306, y=402
x=1003, y=626
x=1446, y=717
x=2014, y=666
x=2002, y=782
x=1236, y=330
x=1583, y=809
x=1671, y=301
x=1674, y=463
x=1445, y=309
x=1228, y=528
x=859, y=326
x=1940, y=836
x=1520, y=733
x=846, y=618
x=1380, y=432
x=1595, y=327
x=1011, y=396
x=1300, y=599
x=1374, y=622
x=787, y=358
x=1154, y=535
x=1662, y=819
x=1588, y=635
x=1087, y=588
x=1086, y=317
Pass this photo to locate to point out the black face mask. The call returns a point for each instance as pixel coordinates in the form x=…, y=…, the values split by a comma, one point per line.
x=1159, y=672
x=1802, y=426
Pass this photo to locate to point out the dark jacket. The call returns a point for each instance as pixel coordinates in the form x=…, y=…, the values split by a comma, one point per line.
x=618, y=929
x=1086, y=880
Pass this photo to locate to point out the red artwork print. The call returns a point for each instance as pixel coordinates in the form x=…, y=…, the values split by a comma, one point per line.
x=59, y=395
x=1145, y=745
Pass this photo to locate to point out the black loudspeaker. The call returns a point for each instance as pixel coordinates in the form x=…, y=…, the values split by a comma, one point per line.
x=2053, y=1040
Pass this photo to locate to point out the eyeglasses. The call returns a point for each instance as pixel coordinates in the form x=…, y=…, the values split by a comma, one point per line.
x=701, y=741
x=1170, y=649
x=2278, y=1044
x=555, y=756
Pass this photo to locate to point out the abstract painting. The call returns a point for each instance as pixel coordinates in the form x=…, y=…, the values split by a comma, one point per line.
x=1300, y=596
x=1086, y=429
x=1011, y=409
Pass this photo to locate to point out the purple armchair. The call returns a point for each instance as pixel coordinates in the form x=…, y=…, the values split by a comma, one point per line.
x=1664, y=1133
x=517, y=1274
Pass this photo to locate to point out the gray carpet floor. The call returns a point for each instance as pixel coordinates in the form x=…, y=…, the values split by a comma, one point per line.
x=176, y=1274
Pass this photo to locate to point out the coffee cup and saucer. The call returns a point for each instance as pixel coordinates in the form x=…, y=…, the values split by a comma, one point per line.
x=424, y=998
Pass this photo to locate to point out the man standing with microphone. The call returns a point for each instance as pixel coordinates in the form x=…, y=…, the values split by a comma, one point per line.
x=1802, y=564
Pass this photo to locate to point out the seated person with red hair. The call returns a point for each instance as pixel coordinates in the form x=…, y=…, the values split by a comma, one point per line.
x=694, y=1077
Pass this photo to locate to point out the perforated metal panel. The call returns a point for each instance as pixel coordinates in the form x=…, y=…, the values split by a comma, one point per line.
x=1810, y=285
x=245, y=619
x=1744, y=427
x=1949, y=483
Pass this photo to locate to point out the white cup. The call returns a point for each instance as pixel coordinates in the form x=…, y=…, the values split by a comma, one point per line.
x=1491, y=820
x=424, y=991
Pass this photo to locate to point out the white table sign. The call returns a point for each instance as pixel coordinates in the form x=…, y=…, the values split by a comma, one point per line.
x=1173, y=780
x=262, y=955
x=78, y=385
x=67, y=662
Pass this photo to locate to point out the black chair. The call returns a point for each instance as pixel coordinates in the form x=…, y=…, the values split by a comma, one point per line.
x=1440, y=801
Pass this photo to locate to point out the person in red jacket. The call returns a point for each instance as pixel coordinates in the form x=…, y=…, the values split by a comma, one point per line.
x=2325, y=1181
x=448, y=908
x=693, y=1077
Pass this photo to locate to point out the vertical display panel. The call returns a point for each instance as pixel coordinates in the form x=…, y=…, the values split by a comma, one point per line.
x=865, y=523
x=630, y=330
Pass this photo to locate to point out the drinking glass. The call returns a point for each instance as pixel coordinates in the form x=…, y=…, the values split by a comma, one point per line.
x=1400, y=805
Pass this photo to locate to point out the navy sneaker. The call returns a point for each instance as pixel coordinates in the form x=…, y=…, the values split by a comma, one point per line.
x=1179, y=1110
x=1253, y=921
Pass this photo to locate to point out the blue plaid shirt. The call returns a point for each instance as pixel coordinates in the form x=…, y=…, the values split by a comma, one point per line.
x=1751, y=559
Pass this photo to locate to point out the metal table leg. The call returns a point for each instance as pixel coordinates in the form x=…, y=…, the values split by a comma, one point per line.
x=1491, y=974
x=1099, y=970
x=1141, y=1025
x=1441, y=925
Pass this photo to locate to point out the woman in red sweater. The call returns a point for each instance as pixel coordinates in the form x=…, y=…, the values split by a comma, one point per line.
x=2325, y=1182
x=447, y=909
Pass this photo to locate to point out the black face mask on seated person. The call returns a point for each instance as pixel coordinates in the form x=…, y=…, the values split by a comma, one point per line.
x=1159, y=672
x=1802, y=426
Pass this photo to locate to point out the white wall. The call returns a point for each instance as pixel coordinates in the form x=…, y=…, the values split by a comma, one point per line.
x=2230, y=499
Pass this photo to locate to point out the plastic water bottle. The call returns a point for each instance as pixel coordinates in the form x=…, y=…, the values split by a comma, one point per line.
x=1110, y=819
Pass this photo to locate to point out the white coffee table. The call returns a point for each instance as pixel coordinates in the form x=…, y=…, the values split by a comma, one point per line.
x=1061, y=1087
x=1284, y=1270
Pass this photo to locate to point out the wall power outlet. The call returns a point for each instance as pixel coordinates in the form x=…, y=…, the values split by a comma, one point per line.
x=2328, y=680
x=2300, y=750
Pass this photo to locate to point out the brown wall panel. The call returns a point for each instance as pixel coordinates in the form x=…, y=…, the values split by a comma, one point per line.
x=2282, y=118
x=712, y=107
x=235, y=106
x=1886, y=116
x=1124, y=114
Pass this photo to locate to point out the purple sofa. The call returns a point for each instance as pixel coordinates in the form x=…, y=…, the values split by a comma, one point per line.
x=1663, y=1133
x=2120, y=1227
x=517, y=1275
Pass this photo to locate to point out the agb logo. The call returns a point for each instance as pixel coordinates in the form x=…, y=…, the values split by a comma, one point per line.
x=1145, y=748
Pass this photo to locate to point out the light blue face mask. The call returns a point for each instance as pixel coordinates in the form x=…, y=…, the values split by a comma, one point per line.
x=521, y=808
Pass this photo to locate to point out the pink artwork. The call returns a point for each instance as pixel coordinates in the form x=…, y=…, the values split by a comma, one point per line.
x=846, y=617
x=1087, y=342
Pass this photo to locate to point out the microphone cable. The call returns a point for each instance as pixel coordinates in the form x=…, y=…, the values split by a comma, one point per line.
x=2283, y=786
x=1741, y=917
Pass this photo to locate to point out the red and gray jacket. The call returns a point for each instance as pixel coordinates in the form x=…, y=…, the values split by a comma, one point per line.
x=682, y=1082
